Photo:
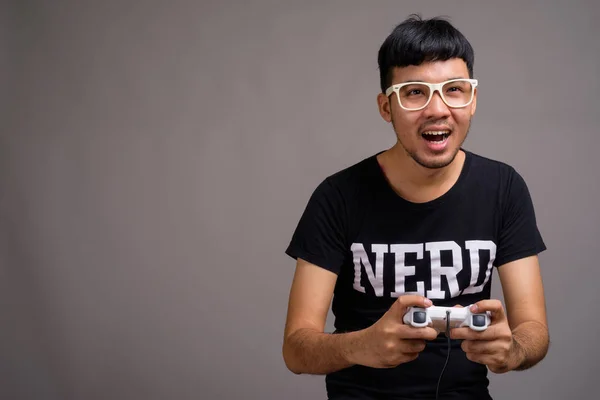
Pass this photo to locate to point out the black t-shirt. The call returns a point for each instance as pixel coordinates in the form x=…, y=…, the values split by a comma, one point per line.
x=382, y=246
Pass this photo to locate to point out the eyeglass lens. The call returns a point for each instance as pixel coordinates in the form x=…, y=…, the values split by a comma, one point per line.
x=455, y=94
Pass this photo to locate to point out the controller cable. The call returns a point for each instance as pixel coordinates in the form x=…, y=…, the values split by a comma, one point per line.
x=437, y=390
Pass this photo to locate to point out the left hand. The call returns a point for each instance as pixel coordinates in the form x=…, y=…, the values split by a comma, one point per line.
x=493, y=347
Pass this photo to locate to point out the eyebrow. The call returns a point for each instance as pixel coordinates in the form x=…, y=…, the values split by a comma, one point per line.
x=420, y=80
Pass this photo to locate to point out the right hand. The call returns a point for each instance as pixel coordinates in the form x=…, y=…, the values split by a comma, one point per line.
x=390, y=342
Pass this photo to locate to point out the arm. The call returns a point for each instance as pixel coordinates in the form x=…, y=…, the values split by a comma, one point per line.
x=307, y=349
x=526, y=311
x=518, y=339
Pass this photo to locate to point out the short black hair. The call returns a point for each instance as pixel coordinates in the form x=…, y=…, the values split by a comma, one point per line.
x=416, y=40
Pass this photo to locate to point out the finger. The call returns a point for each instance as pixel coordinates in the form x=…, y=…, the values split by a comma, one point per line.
x=413, y=300
x=467, y=333
x=410, y=357
x=481, y=346
x=491, y=360
x=478, y=358
x=493, y=306
x=403, y=303
x=459, y=306
x=411, y=332
x=414, y=345
x=493, y=332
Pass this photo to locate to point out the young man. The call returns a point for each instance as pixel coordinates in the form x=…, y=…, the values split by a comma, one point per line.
x=421, y=223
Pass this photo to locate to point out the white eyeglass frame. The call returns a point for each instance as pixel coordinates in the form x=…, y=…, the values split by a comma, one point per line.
x=433, y=87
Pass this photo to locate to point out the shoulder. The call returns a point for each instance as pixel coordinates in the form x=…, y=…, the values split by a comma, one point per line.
x=493, y=173
x=499, y=179
x=350, y=180
x=482, y=164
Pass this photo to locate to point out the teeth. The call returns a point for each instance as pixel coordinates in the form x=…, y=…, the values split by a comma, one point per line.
x=436, y=133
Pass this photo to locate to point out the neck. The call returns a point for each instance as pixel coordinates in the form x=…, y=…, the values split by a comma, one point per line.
x=415, y=182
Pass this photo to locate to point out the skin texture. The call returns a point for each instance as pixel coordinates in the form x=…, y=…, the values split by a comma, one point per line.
x=307, y=349
x=412, y=169
x=518, y=335
x=517, y=338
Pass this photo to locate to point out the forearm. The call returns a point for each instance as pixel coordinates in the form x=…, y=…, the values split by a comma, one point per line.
x=530, y=344
x=308, y=351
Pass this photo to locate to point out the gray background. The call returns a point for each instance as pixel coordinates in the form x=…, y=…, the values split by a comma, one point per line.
x=155, y=158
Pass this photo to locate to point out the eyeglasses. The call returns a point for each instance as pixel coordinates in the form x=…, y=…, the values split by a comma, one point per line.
x=413, y=96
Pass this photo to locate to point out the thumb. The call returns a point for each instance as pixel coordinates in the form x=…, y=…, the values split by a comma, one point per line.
x=411, y=300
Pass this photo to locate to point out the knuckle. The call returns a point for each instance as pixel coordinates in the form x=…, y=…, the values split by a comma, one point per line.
x=389, y=346
x=403, y=300
x=387, y=330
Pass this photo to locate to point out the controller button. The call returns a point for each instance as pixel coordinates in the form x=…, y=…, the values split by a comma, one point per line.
x=419, y=317
x=479, y=320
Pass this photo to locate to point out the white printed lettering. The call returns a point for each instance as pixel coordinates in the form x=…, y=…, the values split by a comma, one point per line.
x=437, y=270
x=375, y=277
x=402, y=270
x=474, y=246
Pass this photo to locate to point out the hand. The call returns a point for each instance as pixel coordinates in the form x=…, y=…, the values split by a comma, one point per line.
x=494, y=347
x=389, y=342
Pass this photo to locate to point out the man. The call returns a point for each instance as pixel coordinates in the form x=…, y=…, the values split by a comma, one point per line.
x=421, y=223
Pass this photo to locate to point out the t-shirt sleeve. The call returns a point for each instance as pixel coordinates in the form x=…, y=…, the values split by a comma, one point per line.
x=320, y=235
x=519, y=234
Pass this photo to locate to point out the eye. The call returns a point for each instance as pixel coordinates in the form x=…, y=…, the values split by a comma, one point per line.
x=455, y=89
x=414, y=91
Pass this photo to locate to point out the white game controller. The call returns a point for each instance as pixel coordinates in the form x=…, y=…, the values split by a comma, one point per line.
x=436, y=318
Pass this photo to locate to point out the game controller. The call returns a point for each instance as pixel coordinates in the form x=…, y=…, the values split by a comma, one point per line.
x=436, y=318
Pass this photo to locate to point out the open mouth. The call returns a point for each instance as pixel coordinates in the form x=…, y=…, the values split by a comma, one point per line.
x=435, y=136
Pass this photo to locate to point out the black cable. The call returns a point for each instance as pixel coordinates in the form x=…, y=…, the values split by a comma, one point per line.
x=437, y=390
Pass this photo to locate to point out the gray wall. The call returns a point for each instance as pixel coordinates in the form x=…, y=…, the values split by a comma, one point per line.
x=156, y=156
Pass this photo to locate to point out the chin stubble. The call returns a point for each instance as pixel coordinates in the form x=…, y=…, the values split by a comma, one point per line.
x=432, y=165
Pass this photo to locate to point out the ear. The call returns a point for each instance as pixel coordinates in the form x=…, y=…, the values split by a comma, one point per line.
x=385, y=108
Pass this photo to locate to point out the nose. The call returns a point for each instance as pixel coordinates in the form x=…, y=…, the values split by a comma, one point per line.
x=436, y=107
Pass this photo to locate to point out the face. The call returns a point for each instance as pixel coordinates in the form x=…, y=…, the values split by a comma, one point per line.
x=411, y=127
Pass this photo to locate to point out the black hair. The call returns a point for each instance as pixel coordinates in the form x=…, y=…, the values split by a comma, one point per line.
x=416, y=40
